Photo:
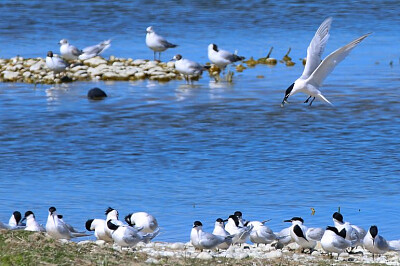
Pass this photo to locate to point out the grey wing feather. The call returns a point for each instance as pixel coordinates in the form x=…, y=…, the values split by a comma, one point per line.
x=341, y=243
x=316, y=48
x=75, y=51
x=167, y=44
x=330, y=62
x=381, y=243
x=315, y=233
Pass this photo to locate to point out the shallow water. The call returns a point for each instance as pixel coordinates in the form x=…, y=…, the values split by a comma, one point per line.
x=198, y=153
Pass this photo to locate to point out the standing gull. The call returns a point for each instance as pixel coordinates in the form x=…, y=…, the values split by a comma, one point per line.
x=189, y=69
x=222, y=58
x=316, y=71
x=157, y=43
x=68, y=51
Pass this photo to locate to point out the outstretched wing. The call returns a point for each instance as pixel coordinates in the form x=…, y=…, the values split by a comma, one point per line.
x=316, y=48
x=330, y=62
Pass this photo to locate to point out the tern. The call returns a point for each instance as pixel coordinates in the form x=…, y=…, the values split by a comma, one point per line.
x=157, y=43
x=14, y=223
x=375, y=243
x=32, y=224
x=305, y=237
x=316, y=71
x=128, y=236
x=99, y=226
x=354, y=233
x=56, y=228
x=240, y=233
x=261, y=234
x=334, y=241
x=142, y=220
x=204, y=240
x=219, y=230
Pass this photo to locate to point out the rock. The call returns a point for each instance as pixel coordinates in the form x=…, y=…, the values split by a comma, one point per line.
x=110, y=76
x=274, y=254
x=140, y=75
x=100, y=243
x=151, y=261
x=315, y=253
x=10, y=75
x=240, y=256
x=63, y=241
x=26, y=74
x=171, y=64
x=177, y=246
x=204, y=256
x=96, y=94
x=85, y=242
x=95, y=61
x=37, y=66
x=138, y=62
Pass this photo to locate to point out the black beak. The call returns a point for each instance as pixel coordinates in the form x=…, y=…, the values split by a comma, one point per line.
x=287, y=221
x=287, y=93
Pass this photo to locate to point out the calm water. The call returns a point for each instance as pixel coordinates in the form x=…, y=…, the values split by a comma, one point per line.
x=199, y=153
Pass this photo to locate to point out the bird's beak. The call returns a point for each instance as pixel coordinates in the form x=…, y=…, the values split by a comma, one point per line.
x=287, y=221
x=284, y=100
x=225, y=220
x=23, y=219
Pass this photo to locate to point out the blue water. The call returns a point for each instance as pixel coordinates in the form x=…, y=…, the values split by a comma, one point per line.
x=199, y=153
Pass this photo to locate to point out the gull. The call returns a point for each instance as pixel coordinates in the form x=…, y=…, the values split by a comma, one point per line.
x=354, y=233
x=316, y=71
x=221, y=58
x=305, y=237
x=334, y=241
x=14, y=223
x=219, y=230
x=99, y=226
x=188, y=68
x=376, y=244
x=68, y=51
x=32, y=224
x=56, y=228
x=94, y=50
x=157, y=43
x=55, y=63
x=204, y=240
x=142, y=220
x=240, y=233
x=128, y=236
x=261, y=234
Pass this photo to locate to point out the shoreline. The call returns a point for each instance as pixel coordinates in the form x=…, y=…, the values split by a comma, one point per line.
x=23, y=248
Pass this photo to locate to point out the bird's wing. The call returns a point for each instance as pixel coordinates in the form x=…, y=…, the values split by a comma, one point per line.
x=209, y=240
x=98, y=48
x=394, y=245
x=341, y=243
x=75, y=51
x=323, y=99
x=315, y=233
x=330, y=62
x=381, y=243
x=316, y=48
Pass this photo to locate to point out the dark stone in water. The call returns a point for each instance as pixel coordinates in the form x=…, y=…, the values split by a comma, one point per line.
x=96, y=94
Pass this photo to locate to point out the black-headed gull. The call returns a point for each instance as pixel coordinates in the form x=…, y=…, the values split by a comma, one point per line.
x=94, y=50
x=55, y=63
x=188, y=68
x=157, y=43
x=222, y=58
x=316, y=71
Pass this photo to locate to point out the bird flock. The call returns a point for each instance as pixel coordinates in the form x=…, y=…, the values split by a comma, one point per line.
x=340, y=237
x=315, y=70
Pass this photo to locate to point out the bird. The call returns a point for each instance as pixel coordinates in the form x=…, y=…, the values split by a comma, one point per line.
x=261, y=234
x=128, y=236
x=204, y=240
x=188, y=68
x=305, y=237
x=112, y=214
x=70, y=227
x=14, y=223
x=157, y=43
x=222, y=58
x=99, y=226
x=240, y=233
x=355, y=234
x=56, y=228
x=32, y=224
x=55, y=63
x=239, y=215
x=316, y=71
x=219, y=230
x=94, y=50
x=142, y=220
x=68, y=51
x=334, y=241
x=284, y=237
x=375, y=243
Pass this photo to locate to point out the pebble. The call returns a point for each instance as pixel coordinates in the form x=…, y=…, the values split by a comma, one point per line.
x=85, y=242
x=152, y=261
x=204, y=256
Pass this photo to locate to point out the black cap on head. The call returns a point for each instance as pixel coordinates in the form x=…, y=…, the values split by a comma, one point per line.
x=17, y=215
x=297, y=219
x=50, y=54
x=338, y=217
x=220, y=220
x=297, y=230
x=215, y=47
x=235, y=219
x=52, y=209
x=128, y=220
x=197, y=223
x=373, y=230
x=88, y=224
x=109, y=209
x=111, y=225
x=178, y=57
x=238, y=214
x=28, y=213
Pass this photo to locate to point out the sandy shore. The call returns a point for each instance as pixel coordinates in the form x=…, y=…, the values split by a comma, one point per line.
x=29, y=248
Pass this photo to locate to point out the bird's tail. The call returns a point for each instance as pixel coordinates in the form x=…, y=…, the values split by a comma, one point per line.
x=148, y=237
x=394, y=245
x=238, y=58
x=79, y=234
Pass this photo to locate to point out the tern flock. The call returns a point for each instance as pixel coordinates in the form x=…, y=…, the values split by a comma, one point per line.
x=340, y=237
x=315, y=70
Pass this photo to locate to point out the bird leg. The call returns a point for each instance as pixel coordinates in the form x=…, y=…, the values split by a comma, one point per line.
x=312, y=101
x=155, y=55
x=309, y=97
